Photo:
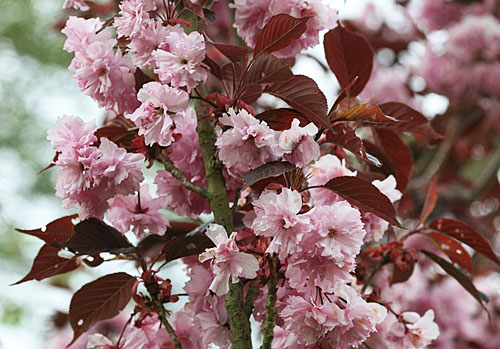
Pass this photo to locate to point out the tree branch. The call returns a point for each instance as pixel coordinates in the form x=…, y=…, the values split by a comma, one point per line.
x=271, y=311
x=177, y=173
x=217, y=196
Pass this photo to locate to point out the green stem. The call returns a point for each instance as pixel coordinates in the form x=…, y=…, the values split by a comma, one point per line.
x=271, y=311
x=216, y=187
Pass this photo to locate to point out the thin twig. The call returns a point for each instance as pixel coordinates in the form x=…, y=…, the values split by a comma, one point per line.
x=177, y=173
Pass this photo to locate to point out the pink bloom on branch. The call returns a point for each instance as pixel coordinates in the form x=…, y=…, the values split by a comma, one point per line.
x=125, y=212
x=81, y=33
x=298, y=144
x=132, y=15
x=153, y=117
x=72, y=133
x=277, y=217
x=179, y=58
x=250, y=143
x=414, y=331
x=227, y=260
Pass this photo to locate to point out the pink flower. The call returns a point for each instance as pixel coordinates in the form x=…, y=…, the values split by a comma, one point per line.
x=387, y=84
x=133, y=338
x=179, y=59
x=80, y=5
x=320, y=172
x=125, y=211
x=72, y=133
x=153, y=117
x=437, y=14
x=298, y=144
x=132, y=15
x=308, y=321
x=90, y=176
x=250, y=143
x=388, y=188
x=277, y=216
x=361, y=320
x=227, y=260
x=250, y=18
x=81, y=33
x=414, y=331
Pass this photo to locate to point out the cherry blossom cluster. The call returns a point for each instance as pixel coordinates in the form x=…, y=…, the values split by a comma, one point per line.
x=145, y=72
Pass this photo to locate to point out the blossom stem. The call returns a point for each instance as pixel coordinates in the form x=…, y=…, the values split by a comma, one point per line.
x=269, y=322
x=238, y=320
x=177, y=173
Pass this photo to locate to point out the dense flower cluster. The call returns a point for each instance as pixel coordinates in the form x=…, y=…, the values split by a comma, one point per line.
x=314, y=262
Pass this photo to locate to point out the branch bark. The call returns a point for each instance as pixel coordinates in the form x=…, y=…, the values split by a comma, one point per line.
x=271, y=311
x=238, y=320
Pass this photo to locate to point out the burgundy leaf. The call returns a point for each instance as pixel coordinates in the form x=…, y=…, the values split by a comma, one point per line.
x=349, y=55
x=99, y=300
x=453, y=249
x=281, y=119
x=302, y=94
x=345, y=137
x=401, y=275
x=232, y=52
x=186, y=246
x=272, y=169
x=462, y=232
x=215, y=68
x=231, y=72
x=210, y=16
x=94, y=236
x=410, y=119
x=267, y=68
x=451, y=270
x=279, y=32
x=430, y=200
x=399, y=155
x=364, y=113
x=365, y=196
x=252, y=93
x=56, y=231
x=47, y=263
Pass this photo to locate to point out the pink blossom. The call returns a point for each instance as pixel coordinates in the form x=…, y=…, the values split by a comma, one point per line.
x=437, y=14
x=308, y=321
x=133, y=338
x=153, y=117
x=387, y=84
x=80, y=5
x=298, y=144
x=388, y=188
x=227, y=260
x=414, y=331
x=361, y=320
x=148, y=39
x=320, y=172
x=125, y=212
x=277, y=216
x=179, y=59
x=132, y=15
x=81, y=33
x=252, y=15
x=72, y=133
x=248, y=144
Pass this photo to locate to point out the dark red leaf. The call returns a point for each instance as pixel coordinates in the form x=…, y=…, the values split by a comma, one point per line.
x=462, y=232
x=232, y=52
x=215, y=68
x=272, y=169
x=281, y=119
x=210, y=16
x=401, y=275
x=47, y=263
x=99, y=300
x=364, y=113
x=56, y=231
x=266, y=68
x=349, y=55
x=252, y=93
x=302, y=94
x=94, y=236
x=410, y=119
x=186, y=246
x=399, y=155
x=345, y=137
x=430, y=200
x=279, y=32
x=365, y=196
x=231, y=72
x=453, y=249
x=451, y=270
